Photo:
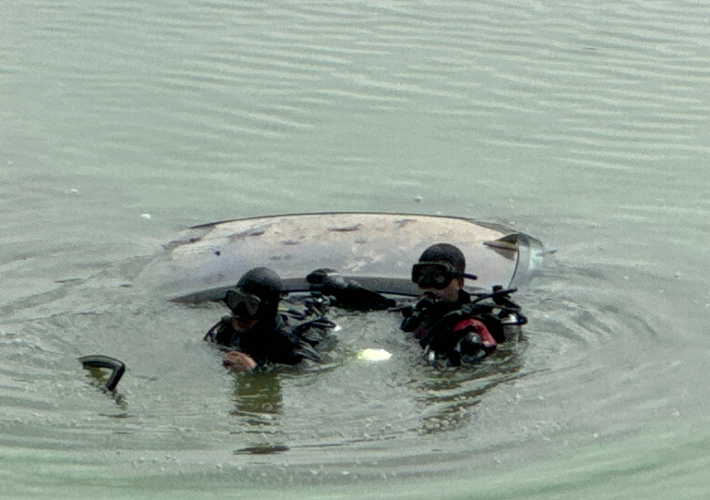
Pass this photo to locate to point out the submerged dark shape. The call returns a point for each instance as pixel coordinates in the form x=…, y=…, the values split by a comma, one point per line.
x=375, y=249
x=118, y=368
x=262, y=450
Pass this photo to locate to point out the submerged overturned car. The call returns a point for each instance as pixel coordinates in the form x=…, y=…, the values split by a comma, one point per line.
x=376, y=249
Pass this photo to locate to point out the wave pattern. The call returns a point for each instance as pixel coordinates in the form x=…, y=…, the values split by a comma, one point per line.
x=120, y=121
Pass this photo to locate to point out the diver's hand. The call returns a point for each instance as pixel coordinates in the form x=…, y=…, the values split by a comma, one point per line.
x=325, y=280
x=237, y=361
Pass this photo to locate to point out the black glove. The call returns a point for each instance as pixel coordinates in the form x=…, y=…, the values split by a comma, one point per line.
x=326, y=281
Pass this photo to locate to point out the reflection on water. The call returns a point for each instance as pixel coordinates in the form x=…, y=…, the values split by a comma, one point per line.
x=585, y=123
x=258, y=399
x=99, y=379
x=258, y=408
x=447, y=396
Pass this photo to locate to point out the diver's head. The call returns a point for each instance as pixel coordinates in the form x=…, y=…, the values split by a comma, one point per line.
x=256, y=297
x=441, y=271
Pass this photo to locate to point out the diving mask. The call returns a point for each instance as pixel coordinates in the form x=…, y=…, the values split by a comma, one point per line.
x=245, y=305
x=436, y=275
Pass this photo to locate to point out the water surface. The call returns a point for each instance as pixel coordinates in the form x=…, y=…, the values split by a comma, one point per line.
x=583, y=124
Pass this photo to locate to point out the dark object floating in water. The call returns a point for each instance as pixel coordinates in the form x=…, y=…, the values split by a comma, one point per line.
x=261, y=450
x=97, y=361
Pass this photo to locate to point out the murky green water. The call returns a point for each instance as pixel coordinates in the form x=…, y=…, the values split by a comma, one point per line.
x=583, y=124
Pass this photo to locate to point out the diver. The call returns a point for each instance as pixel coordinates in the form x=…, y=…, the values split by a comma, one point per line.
x=256, y=333
x=452, y=325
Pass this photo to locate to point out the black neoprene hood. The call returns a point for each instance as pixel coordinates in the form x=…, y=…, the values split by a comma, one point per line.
x=445, y=253
x=262, y=282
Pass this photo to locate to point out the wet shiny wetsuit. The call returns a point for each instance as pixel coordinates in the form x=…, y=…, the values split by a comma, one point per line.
x=267, y=335
x=272, y=340
x=420, y=318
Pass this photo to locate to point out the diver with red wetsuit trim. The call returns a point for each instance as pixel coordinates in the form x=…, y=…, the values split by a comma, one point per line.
x=451, y=324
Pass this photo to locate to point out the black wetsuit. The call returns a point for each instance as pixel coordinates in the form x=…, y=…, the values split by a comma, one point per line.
x=420, y=318
x=272, y=340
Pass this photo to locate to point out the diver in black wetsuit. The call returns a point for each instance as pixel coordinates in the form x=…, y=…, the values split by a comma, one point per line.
x=256, y=333
x=450, y=323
